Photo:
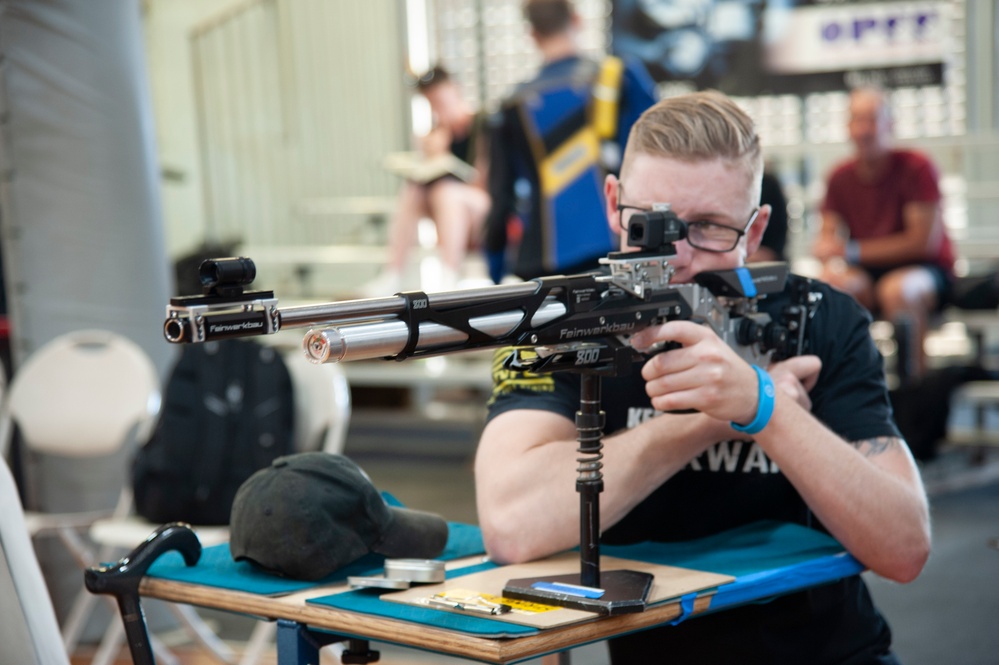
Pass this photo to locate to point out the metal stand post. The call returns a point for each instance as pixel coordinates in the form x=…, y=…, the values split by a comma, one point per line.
x=590, y=478
x=614, y=592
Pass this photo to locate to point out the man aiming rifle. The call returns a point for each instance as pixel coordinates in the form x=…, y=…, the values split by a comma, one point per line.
x=704, y=437
x=808, y=440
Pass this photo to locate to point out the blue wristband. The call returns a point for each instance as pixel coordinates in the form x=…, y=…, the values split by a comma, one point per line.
x=764, y=407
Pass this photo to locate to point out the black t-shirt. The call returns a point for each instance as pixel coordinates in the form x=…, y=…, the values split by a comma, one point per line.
x=735, y=483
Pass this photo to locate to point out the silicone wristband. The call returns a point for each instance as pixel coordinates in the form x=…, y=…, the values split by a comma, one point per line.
x=851, y=253
x=764, y=406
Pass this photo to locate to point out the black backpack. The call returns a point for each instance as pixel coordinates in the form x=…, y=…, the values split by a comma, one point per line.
x=228, y=410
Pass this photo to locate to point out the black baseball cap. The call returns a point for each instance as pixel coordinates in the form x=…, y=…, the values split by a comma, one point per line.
x=309, y=514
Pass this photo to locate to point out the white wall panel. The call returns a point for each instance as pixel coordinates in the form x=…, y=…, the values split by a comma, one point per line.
x=298, y=103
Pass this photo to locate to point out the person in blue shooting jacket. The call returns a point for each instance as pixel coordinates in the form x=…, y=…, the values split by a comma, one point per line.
x=552, y=142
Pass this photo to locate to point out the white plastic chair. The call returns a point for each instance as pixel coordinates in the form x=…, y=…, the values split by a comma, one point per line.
x=85, y=394
x=322, y=416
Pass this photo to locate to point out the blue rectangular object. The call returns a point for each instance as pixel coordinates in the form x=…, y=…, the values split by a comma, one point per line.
x=569, y=589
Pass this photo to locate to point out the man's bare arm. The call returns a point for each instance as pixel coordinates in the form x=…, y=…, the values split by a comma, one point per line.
x=876, y=446
x=869, y=496
x=868, y=493
x=525, y=476
x=914, y=244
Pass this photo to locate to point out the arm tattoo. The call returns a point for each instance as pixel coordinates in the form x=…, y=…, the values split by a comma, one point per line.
x=877, y=445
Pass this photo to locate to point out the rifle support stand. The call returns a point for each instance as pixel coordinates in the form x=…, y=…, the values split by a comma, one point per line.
x=613, y=592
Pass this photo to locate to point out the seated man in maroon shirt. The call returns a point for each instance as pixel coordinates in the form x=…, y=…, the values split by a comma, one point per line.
x=883, y=239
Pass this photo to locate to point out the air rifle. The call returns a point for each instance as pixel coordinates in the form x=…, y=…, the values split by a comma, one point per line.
x=578, y=322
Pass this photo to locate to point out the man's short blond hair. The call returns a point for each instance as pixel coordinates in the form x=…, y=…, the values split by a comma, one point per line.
x=699, y=126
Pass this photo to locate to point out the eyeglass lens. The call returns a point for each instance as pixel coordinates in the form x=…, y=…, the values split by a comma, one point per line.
x=712, y=236
x=702, y=235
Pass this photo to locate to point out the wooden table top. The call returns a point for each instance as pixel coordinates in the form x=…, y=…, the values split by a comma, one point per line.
x=440, y=640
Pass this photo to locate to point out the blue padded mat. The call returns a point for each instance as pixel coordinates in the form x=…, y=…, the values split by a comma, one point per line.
x=766, y=544
x=217, y=569
x=766, y=558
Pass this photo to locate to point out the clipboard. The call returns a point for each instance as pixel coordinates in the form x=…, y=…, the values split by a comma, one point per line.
x=670, y=582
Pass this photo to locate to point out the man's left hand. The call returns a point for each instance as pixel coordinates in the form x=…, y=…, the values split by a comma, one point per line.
x=796, y=377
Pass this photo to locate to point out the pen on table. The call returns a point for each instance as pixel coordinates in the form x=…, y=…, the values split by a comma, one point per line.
x=495, y=609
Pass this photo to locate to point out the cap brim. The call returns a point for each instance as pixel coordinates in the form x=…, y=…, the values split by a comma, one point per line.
x=413, y=534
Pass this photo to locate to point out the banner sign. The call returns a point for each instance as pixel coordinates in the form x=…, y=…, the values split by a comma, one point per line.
x=752, y=47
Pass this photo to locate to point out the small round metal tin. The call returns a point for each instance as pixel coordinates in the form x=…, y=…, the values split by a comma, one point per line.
x=376, y=582
x=415, y=570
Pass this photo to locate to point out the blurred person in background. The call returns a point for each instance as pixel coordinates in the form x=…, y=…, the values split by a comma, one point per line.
x=883, y=239
x=553, y=141
x=446, y=183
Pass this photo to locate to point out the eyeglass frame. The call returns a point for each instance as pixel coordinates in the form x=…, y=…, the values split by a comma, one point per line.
x=740, y=232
